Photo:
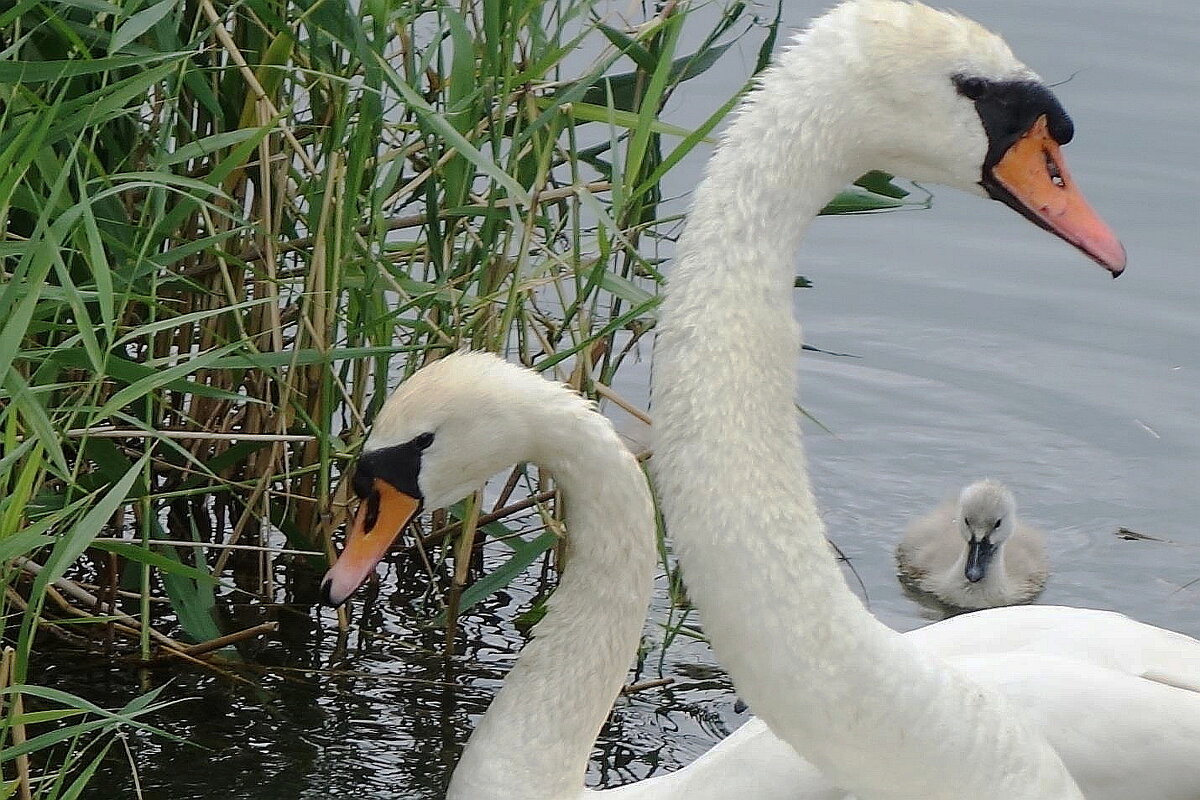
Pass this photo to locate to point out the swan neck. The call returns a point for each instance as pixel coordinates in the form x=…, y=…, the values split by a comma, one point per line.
x=877, y=715
x=536, y=737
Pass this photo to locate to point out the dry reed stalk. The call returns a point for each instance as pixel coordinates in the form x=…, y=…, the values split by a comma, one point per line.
x=18, y=727
x=133, y=628
x=462, y=563
x=208, y=436
x=656, y=683
x=609, y=393
x=392, y=224
x=44, y=624
x=121, y=622
x=248, y=76
x=510, y=485
x=257, y=548
x=485, y=519
x=247, y=515
x=95, y=587
x=230, y=638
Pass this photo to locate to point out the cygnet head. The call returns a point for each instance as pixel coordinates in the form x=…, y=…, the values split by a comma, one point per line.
x=439, y=437
x=934, y=96
x=987, y=514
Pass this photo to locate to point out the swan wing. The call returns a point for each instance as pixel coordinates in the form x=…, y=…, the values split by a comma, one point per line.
x=1087, y=636
x=1119, y=735
x=1118, y=699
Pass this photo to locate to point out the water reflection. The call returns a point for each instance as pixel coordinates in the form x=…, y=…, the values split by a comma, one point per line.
x=378, y=712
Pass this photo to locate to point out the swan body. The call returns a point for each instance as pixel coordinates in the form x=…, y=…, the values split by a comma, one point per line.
x=1119, y=700
x=973, y=552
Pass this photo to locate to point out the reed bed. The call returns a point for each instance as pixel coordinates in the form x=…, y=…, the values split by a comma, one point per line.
x=228, y=229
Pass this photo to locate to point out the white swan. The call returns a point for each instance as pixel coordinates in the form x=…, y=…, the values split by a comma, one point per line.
x=881, y=84
x=444, y=432
x=973, y=552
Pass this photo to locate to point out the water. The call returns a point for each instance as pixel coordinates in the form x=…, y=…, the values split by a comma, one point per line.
x=988, y=348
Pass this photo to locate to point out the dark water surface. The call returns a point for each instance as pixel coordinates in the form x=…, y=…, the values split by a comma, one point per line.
x=988, y=348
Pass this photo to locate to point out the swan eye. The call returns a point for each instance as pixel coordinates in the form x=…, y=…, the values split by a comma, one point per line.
x=967, y=521
x=997, y=525
x=423, y=441
x=1053, y=171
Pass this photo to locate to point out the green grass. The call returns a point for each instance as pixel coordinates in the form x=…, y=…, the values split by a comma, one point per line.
x=228, y=229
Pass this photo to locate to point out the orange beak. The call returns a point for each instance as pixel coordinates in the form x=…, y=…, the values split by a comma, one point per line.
x=377, y=523
x=1032, y=178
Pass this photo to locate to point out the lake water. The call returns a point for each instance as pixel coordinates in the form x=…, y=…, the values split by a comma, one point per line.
x=987, y=348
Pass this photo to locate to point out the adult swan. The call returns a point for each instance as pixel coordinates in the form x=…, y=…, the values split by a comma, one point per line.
x=880, y=84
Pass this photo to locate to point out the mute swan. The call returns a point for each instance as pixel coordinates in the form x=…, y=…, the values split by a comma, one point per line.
x=445, y=431
x=881, y=84
x=973, y=552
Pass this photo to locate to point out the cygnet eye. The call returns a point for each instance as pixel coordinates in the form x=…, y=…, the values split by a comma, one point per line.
x=997, y=525
x=967, y=521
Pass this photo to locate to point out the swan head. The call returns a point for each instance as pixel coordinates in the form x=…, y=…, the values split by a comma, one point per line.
x=439, y=437
x=986, y=517
x=941, y=99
